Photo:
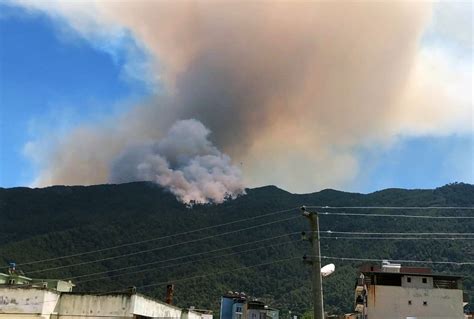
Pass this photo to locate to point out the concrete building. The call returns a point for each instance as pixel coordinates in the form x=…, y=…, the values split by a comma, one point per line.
x=258, y=310
x=27, y=298
x=28, y=302
x=205, y=313
x=393, y=292
x=236, y=305
x=15, y=277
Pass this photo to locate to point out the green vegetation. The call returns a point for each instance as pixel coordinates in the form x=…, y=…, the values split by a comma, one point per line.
x=56, y=221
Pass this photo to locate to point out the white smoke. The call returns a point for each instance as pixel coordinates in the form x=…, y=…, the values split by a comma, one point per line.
x=185, y=162
x=289, y=89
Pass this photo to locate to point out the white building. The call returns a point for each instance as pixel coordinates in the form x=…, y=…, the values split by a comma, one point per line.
x=396, y=292
x=27, y=298
x=14, y=277
x=28, y=302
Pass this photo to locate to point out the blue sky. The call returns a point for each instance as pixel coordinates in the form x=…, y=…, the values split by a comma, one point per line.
x=51, y=83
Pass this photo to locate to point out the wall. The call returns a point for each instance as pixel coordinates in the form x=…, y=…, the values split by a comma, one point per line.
x=391, y=302
x=27, y=303
x=82, y=306
x=239, y=310
x=189, y=314
x=226, y=308
x=143, y=306
x=255, y=313
x=417, y=282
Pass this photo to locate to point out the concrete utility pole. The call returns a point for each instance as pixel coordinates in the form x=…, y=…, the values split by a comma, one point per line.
x=318, y=307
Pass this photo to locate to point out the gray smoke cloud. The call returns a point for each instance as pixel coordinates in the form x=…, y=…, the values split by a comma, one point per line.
x=183, y=161
x=289, y=89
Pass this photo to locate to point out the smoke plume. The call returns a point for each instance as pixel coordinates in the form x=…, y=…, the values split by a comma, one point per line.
x=288, y=89
x=185, y=162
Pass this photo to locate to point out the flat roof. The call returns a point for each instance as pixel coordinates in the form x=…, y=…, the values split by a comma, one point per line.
x=28, y=286
x=119, y=293
x=438, y=275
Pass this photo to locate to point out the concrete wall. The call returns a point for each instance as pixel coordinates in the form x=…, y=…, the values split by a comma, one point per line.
x=143, y=306
x=189, y=314
x=392, y=302
x=417, y=282
x=78, y=306
x=255, y=314
x=27, y=303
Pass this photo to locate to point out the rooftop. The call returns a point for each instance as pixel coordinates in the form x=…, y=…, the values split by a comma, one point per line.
x=405, y=271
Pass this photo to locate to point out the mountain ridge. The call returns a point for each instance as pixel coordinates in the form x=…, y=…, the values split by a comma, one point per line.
x=56, y=221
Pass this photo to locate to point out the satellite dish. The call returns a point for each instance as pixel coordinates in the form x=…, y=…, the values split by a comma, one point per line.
x=327, y=270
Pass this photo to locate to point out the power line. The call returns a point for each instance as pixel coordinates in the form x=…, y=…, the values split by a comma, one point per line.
x=285, y=260
x=182, y=257
x=293, y=258
x=221, y=272
x=397, y=207
x=156, y=238
x=401, y=261
x=398, y=238
x=190, y=262
x=397, y=215
x=162, y=247
x=404, y=233
x=225, y=248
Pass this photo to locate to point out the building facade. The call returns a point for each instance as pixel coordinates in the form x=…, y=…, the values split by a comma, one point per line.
x=15, y=277
x=27, y=298
x=236, y=305
x=394, y=292
x=42, y=303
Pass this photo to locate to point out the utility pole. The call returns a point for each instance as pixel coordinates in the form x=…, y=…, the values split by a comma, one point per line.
x=318, y=307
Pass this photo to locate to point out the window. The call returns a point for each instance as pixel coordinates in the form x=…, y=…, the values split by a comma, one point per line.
x=425, y=303
x=238, y=309
x=424, y=280
x=408, y=279
x=409, y=302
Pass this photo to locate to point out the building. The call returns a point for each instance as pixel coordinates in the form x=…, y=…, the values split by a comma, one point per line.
x=258, y=310
x=15, y=277
x=393, y=292
x=235, y=305
x=205, y=313
x=26, y=298
x=31, y=302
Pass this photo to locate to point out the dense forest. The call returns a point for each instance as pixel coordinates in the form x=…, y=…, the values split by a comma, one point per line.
x=44, y=224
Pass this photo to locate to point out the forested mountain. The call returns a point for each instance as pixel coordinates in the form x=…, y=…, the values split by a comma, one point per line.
x=39, y=224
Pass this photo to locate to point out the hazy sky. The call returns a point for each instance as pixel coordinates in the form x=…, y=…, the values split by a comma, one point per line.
x=348, y=95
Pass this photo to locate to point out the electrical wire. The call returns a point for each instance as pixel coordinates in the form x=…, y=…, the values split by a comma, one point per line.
x=190, y=262
x=396, y=207
x=400, y=261
x=218, y=273
x=397, y=215
x=155, y=238
x=162, y=247
x=401, y=234
x=182, y=257
x=397, y=238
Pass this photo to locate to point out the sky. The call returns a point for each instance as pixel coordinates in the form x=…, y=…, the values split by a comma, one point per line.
x=92, y=93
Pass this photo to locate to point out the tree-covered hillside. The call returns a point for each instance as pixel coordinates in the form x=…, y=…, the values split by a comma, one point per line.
x=38, y=224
